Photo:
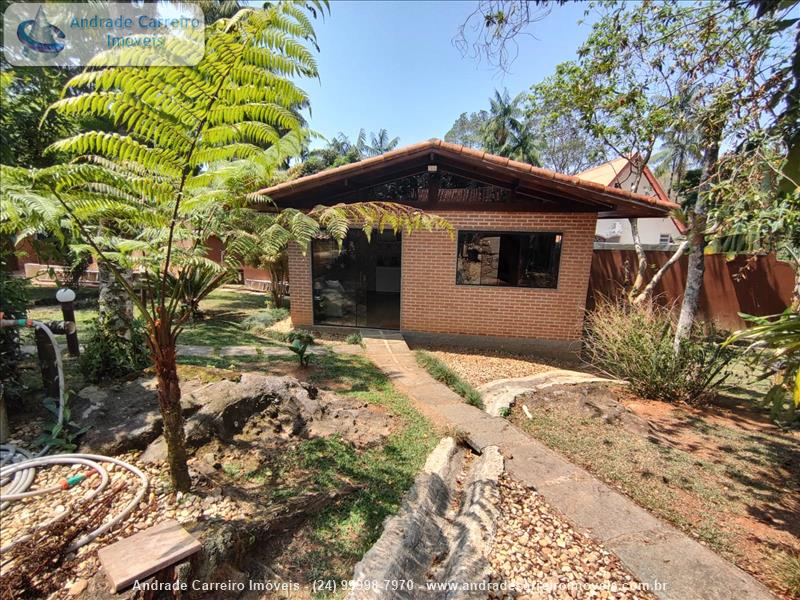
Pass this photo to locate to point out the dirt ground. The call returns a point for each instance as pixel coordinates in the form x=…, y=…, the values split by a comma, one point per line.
x=723, y=473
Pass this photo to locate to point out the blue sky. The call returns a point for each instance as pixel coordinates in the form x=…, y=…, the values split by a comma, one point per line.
x=394, y=65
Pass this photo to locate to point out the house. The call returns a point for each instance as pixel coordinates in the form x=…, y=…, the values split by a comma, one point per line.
x=513, y=273
x=619, y=173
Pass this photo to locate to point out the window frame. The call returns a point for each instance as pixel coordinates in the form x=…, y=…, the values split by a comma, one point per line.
x=510, y=232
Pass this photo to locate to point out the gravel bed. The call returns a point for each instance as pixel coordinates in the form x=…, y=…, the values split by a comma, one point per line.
x=158, y=504
x=538, y=551
x=477, y=367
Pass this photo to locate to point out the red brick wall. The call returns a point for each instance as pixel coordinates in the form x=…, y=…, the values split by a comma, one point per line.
x=300, y=286
x=432, y=302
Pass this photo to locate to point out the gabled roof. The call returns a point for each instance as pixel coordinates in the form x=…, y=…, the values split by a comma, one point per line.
x=610, y=173
x=543, y=188
x=605, y=173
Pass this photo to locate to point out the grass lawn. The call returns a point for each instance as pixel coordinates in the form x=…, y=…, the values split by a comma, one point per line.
x=330, y=545
x=443, y=373
x=723, y=474
x=224, y=311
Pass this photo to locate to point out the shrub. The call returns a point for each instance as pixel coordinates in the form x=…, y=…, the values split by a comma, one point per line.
x=441, y=372
x=265, y=319
x=635, y=343
x=111, y=357
x=353, y=338
x=14, y=297
x=301, y=335
x=774, y=346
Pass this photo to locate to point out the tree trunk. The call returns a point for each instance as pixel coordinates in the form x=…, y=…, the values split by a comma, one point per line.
x=169, y=400
x=648, y=289
x=115, y=309
x=641, y=266
x=697, y=241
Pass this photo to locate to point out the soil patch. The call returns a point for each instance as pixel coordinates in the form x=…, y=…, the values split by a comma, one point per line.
x=728, y=477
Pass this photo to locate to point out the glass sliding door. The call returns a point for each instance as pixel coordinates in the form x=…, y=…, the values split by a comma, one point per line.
x=358, y=286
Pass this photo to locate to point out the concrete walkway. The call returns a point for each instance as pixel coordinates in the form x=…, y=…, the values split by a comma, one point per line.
x=654, y=551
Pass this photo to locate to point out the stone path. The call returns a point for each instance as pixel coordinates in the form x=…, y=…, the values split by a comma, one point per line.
x=654, y=551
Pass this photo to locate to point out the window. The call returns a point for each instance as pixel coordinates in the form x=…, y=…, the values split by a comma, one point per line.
x=664, y=238
x=508, y=259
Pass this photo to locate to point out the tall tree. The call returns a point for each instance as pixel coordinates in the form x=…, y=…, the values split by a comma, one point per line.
x=507, y=131
x=468, y=129
x=649, y=69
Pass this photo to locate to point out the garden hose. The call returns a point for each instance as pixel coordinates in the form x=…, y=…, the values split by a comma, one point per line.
x=18, y=466
x=89, y=460
x=10, y=453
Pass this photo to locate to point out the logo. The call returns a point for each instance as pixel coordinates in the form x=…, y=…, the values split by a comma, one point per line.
x=39, y=35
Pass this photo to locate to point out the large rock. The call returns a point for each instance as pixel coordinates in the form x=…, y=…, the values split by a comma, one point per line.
x=122, y=417
x=440, y=534
x=593, y=399
x=500, y=394
x=259, y=406
x=126, y=417
x=226, y=407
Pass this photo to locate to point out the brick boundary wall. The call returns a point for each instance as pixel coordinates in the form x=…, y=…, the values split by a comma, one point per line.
x=431, y=302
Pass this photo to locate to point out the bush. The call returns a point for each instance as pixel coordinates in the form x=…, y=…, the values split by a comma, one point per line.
x=441, y=372
x=300, y=335
x=265, y=319
x=354, y=338
x=111, y=357
x=635, y=343
x=14, y=296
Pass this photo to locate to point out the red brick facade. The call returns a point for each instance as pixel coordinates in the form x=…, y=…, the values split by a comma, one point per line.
x=432, y=302
x=302, y=300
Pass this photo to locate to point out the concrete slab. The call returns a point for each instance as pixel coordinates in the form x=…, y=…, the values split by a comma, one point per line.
x=147, y=552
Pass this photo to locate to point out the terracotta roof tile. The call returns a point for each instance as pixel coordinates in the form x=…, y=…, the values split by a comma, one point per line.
x=455, y=149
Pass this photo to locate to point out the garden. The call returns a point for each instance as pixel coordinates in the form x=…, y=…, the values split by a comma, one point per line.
x=710, y=444
x=163, y=422
x=319, y=492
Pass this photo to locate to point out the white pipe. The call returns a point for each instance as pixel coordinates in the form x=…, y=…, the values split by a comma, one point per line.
x=90, y=460
x=23, y=469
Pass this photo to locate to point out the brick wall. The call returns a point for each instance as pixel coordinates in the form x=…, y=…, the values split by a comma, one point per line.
x=432, y=302
x=300, y=286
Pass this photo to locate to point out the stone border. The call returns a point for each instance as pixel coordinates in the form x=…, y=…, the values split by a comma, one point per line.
x=425, y=541
x=500, y=394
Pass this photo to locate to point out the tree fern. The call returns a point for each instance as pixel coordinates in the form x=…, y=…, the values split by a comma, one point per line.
x=181, y=154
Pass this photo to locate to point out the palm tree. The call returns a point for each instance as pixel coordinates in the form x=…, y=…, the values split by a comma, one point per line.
x=680, y=149
x=380, y=143
x=507, y=132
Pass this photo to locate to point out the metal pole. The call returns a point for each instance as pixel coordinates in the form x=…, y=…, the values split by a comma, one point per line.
x=66, y=297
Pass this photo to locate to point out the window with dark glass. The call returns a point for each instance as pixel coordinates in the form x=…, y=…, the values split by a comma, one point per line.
x=508, y=259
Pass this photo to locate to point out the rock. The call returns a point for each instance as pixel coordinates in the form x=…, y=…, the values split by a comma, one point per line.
x=225, y=407
x=124, y=417
x=245, y=409
x=425, y=540
x=592, y=398
x=77, y=588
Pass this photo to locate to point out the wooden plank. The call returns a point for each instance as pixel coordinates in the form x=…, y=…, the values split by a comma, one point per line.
x=147, y=552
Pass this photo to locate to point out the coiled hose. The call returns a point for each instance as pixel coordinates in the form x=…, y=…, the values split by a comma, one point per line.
x=18, y=466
